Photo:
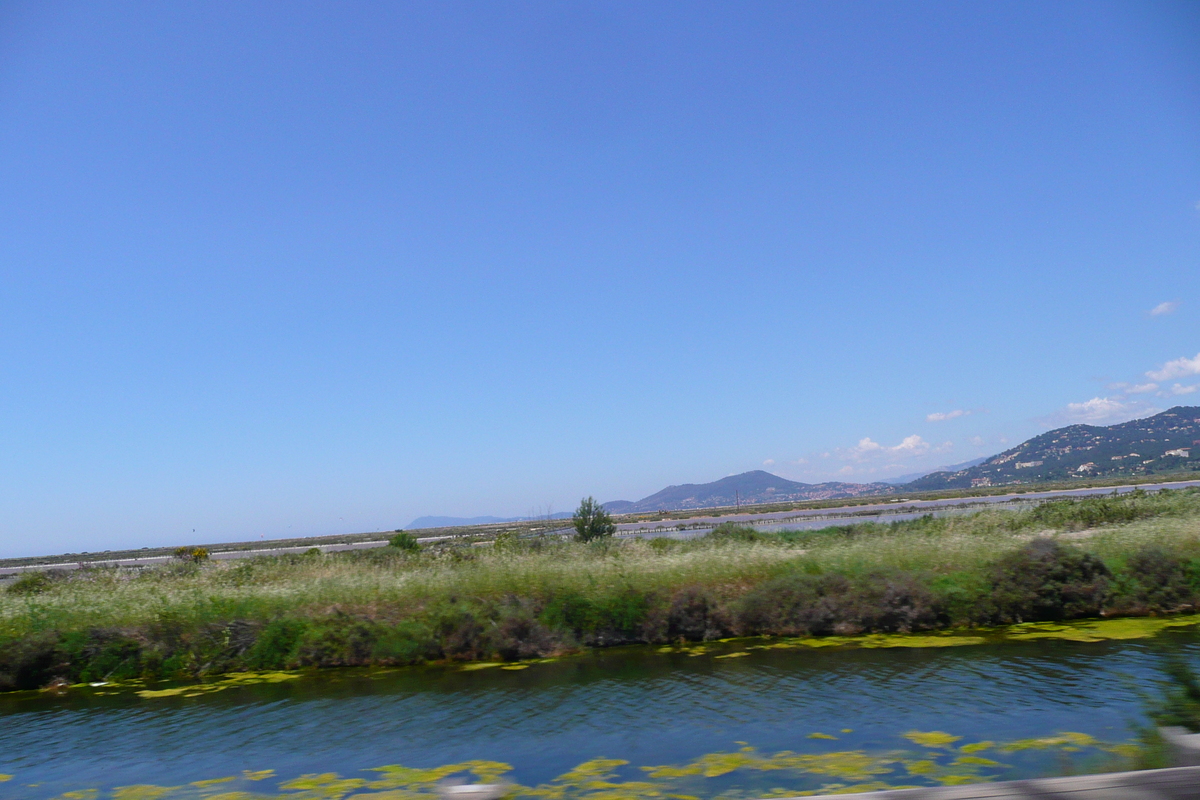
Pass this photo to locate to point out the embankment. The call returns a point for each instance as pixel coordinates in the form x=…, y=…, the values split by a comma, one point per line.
x=517, y=599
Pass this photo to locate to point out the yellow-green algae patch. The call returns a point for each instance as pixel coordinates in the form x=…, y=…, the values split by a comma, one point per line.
x=932, y=738
x=781, y=774
x=214, y=781
x=258, y=775
x=1091, y=630
x=141, y=792
x=227, y=682
x=1098, y=630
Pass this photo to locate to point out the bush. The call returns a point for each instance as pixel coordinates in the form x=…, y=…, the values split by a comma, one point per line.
x=338, y=641
x=406, y=643
x=30, y=583
x=404, y=541
x=100, y=655
x=1155, y=579
x=732, y=532
x=1046, y=581
x=612, y=619
x=30, y=662
x=804, y=603
x=694, y=614
x=191, y=555
x=276, y=645
x=1088, y=512
x=520, y=635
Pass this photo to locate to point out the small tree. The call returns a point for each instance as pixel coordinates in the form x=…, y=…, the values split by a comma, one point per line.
x=592, y=521
x=404, y=541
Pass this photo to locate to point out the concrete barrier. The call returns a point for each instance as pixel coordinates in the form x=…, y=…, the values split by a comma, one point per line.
x=1178, y=783
x=1184, y=746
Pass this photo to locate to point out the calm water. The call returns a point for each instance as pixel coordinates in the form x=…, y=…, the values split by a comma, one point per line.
x=636, y=704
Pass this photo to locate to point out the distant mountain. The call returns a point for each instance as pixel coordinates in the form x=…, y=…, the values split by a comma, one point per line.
x=912, y=476
x=1166, y=442
x=748, y=488
x=455, y=522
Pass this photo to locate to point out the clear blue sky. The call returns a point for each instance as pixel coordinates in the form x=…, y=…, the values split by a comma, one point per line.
x=309, y=268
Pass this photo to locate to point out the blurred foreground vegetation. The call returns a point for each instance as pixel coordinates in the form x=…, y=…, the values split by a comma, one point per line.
x=516, y=598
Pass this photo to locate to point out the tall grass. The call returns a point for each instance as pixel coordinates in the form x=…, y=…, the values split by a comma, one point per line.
x=1134, y=554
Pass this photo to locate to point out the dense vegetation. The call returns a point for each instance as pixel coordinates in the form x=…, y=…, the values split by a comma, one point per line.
x=525, y=598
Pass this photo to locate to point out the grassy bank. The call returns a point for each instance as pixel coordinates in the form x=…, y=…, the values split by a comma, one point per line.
x=518, y=599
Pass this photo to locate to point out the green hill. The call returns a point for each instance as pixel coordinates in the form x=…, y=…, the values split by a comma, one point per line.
x=1165, y=443
x=747, y=488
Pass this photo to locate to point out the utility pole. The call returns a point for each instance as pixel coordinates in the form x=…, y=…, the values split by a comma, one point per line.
x=737, y=499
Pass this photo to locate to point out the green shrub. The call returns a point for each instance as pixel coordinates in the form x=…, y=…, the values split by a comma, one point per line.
x=30, y=662
x=695, y=614
x=30, y=583
x=520, y=635
x=404, y=541
x=340, y=640
x=1154, y=579
x=1045, y=580
x=732, y=532
x=100, y=655
x=406, y=643
x=276, y=644
x=801, y=603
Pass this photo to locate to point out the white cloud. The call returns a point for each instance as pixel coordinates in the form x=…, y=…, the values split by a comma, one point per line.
x=865, y=445
x=1102, y=411
x=770, y=462
x=1143, y=388
x=940, y=416
x=909, y=447
x=912, y=444
x=1180, y=389
x=977, y=441
x=1179, y=368
x=1164, y=308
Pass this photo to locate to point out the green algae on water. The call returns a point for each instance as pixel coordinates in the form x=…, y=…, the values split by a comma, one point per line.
x=932, y=738
x=231, y=681
x=707, y=777
x=1091, y=630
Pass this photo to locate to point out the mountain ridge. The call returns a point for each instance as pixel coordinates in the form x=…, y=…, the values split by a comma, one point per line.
x=749, y=488
x=1163, y=443
x=1160, y=443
